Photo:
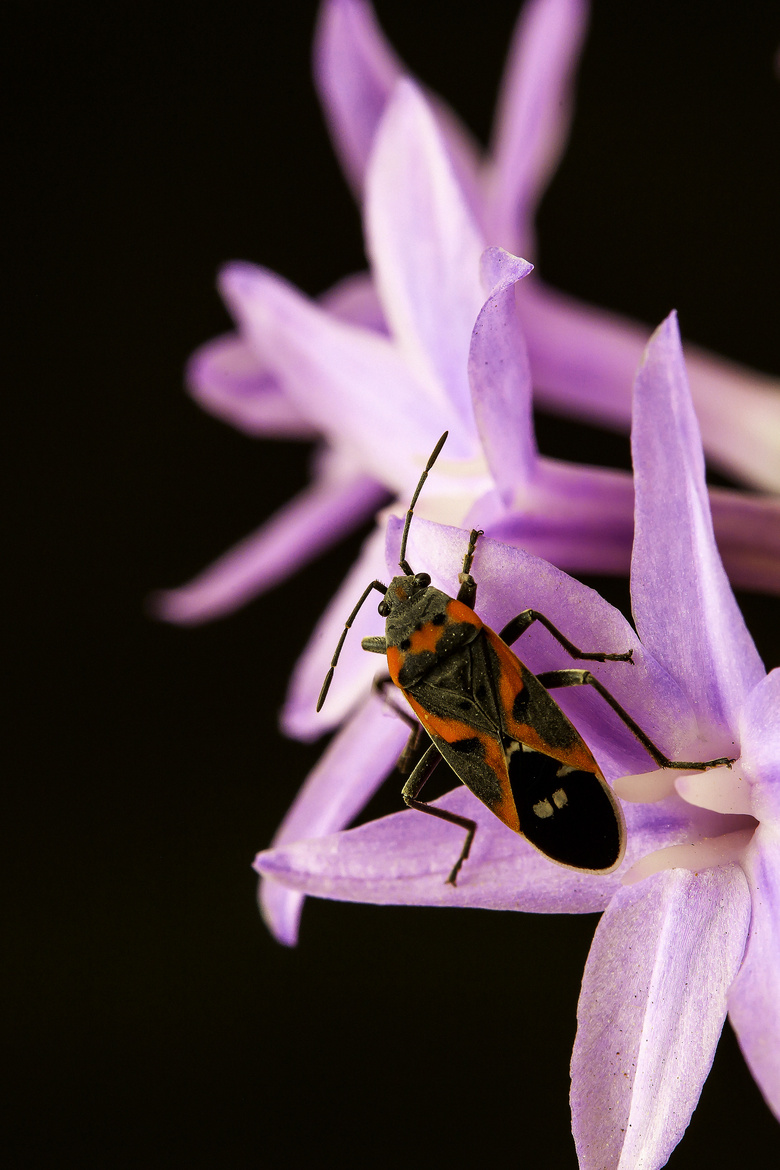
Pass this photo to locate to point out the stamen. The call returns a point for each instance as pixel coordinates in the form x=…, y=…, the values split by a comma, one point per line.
x=720, y=789
x=647, y=787
x=695, y=855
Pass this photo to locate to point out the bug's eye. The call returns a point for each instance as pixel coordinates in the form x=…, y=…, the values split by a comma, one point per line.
x=422, y=579
x=383, y=609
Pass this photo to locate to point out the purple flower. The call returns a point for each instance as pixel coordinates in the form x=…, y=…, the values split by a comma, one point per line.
x=381, y=364
x=691, y=922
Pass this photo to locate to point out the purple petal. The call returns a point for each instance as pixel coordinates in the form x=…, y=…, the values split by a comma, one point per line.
x=747, y=530
x=355, y=70
x=583, y=362
x=510, y=581
x=683, y=605
x=754, y=999
x=425, y=247
x=354, y=299
x=500, y=377
x=350, y=770
x=580, y=518
x=351, y=383
x=760, y=735
x=226, y=378
x=651, y=1010
x=404, y=859
x=534, y=113
x=356, y=668
x=335, y=503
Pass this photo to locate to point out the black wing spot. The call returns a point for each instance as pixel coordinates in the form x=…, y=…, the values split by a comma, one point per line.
x=520, y=706
x=468, y=747
x=439, y=619
x=570, y=818
x=405, y=644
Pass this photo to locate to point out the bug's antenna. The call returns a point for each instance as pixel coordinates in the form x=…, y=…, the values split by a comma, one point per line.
x=434, y=456
x=347, y=625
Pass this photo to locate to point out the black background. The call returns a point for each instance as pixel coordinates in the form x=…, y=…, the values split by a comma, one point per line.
x=152, y=1021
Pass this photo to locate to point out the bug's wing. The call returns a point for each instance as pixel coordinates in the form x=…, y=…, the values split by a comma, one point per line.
x=457, y=704
x=564, y=806
x=569, y=814
x=529, y=714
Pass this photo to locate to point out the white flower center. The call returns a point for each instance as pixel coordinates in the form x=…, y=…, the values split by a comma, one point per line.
x=719, y=790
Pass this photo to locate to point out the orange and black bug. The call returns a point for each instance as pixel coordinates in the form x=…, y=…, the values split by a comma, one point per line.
x=493, y=721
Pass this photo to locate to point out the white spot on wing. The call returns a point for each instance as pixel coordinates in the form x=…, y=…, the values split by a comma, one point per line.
x=543, y=809
x=559, y=796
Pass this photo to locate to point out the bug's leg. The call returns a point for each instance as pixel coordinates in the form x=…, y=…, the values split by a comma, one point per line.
x=518, y=625
x=375, y=644
x=404, y=764
x=382, y=685
x=468, y=586
x=326, y=685
x=413, y=788
x=385, y=686
x=579, y=678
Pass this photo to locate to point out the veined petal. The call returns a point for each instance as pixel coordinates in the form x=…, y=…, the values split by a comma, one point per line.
x=425, y=248
x=754, y=999
x=683, y=605
x=356, y=668
x=351, y=383
x=355, y=69
x=226, y=378
x=510, y=580
x=534, y=113
x=651, y=1010
x=405, y=858
x=500, y=377
x=580, y=518
x=583, y=361
x=760, y=732
x=336, y=502
x=349, y=772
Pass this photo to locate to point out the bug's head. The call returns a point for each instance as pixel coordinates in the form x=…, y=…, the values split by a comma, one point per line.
x=402, y=591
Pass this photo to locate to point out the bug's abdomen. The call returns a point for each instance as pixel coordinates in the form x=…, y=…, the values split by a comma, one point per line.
x=567, y=813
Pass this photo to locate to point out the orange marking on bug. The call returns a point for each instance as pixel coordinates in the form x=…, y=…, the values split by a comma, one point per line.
x=458, y=612
x=510, y=681
x=425, y=638
x=450, y=731
x=395, y=661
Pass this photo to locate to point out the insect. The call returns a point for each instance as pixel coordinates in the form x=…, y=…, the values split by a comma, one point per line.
x=493, y=721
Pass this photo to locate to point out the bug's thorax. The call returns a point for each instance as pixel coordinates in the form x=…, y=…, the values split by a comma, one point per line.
x=423, y=626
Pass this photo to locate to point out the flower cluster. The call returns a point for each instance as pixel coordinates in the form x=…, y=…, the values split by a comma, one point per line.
x=452, y=329
x=391, y=352
x=691, y=923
